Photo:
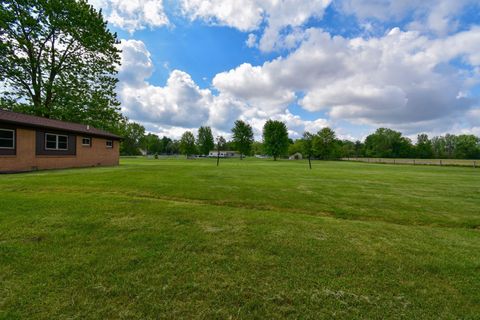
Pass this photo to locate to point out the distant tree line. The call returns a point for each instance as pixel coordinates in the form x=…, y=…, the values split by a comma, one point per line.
x=324, y=144
x=387, y=143
x=136, y=142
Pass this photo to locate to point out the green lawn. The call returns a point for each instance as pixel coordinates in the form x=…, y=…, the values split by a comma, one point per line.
x=249, y=239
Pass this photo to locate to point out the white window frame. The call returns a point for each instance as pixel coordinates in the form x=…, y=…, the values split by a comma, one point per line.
x=56, y=141
x=13, y=140
x=89, y=142
x=109, y=146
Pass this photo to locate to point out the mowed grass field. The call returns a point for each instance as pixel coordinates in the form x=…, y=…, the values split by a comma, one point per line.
x=252, y=239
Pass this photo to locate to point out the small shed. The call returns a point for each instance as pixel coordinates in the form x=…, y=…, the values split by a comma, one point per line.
x=296, y=156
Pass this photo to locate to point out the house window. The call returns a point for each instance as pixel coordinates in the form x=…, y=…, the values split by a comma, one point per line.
x=109, y=143
x=7, y=139
x=86, y=142
x=56, y=142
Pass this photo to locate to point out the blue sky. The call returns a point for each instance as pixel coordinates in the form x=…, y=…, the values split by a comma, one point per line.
x=353, y=65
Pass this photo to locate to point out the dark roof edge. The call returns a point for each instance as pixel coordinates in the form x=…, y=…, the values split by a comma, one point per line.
x=93, y=134
x=96, y=132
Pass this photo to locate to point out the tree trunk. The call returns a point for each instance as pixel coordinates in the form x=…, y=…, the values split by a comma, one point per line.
x=309, y=162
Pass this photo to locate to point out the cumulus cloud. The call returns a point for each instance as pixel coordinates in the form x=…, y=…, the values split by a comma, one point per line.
x=251, y=40
x=403, y=79
x=281, y=22
x=249, y=15
x=407, y=79
x=179, y=105
x=297, y=126
x=242, y=15
x=251, y=84
x=439, y=16
x=474, y=116
x=132, y=15
x=136, y=64
x=182, y=105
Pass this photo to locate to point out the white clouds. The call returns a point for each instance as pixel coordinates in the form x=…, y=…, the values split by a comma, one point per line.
x=281, y=23
x=438, y=16
x=248, y=15
x=288, y=13
x=348, y=98
x=132, y=15
x=408, y=80
x=297, y=126
x=255, y=86
x=242, y=15
x=402, y=79
x=251, y=40
x=136, y=64
x=474, y=117
x=464, y=44
x=181, y=104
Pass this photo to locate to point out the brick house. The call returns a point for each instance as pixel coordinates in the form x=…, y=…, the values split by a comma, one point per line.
x=35, y=143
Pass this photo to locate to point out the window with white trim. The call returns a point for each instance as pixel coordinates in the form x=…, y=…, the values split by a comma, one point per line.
x=109, y=143
x=56, y=141
x=7, y=139
x=86, y=142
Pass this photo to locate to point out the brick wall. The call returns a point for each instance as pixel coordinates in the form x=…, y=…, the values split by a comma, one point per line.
x=26, y=159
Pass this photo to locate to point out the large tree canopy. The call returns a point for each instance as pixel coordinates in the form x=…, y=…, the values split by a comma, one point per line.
x=242, y=137
x=205, y=140
x=324, y=143
x=187, y=144
x=133, y=137
x=58, y=59
x=387, y=143
x=423, y=149
x=275, y=138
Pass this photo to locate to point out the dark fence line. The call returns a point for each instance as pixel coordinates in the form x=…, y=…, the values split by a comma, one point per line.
x=427, y=162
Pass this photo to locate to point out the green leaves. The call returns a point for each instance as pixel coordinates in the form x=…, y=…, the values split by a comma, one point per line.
x=242, y=137
x=59, y=60
x=275, y=138
x=187, y=144
x=324, y=143
x=205, y=141
x=133, y=135
x=387, y=143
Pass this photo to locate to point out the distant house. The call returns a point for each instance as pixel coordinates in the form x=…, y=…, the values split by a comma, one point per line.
x=296, y=156
x=34, y=143
x=224, y=154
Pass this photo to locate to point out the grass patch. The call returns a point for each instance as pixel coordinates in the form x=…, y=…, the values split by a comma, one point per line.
x=249, y=239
